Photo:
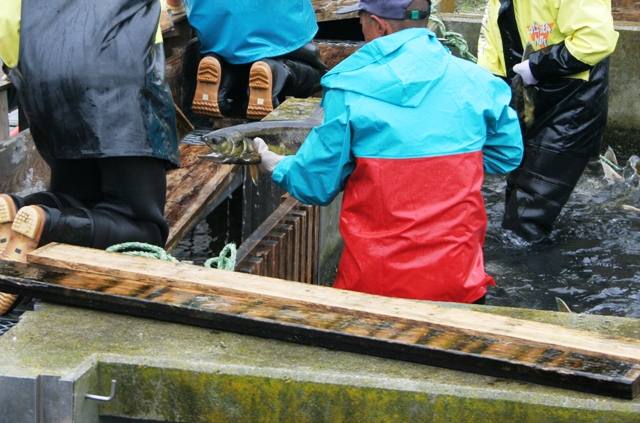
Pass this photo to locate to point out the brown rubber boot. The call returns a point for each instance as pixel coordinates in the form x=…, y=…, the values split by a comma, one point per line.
x=26, y=232
x=205, y=101
x=260, y=91
x=7, y=302
x=7, y=214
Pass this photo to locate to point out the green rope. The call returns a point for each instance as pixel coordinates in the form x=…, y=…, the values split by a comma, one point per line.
x=452, y=39
x=610, y=163
x=222, y=261
x=141, y=249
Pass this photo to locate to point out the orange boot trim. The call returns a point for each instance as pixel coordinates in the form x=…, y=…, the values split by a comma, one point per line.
x=7, y=214
x=205, y=101
x=260, y=91
x=26, y=232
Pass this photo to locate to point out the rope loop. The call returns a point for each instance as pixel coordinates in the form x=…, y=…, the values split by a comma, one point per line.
x=452, y=39
x=141, y=249
x=222, y=261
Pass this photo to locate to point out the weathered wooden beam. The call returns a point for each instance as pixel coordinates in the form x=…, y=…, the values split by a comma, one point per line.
x=4, y=108
x=267, y=226
x=416, y=331
x=192, y=189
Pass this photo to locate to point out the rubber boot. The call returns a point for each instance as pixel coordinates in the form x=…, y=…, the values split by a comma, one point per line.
x=308, y=54
x=8, y=208
x=26, y=232
x=214, y=83
x=537, y=192
x=73, y=225
x=55, y=200
x=8, y=212
x=272, y=80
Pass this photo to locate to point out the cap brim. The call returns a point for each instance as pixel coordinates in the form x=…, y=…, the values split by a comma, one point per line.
x=349, y=9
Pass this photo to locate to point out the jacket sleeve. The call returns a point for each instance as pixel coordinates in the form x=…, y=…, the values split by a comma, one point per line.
x=318, y=171
x=10, y=31
x=504, y=148
x=490, y=41
x=590, y=38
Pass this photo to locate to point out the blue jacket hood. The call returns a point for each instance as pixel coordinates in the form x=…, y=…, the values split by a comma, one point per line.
x=393, y=78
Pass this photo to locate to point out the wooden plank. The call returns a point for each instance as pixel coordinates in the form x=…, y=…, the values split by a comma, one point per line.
x=4, y=108
x=417, y=331
x=446, y=6
x=289, y=251
x=626, y=10
x=192, y=189
x=301, y=246
x=267, y=226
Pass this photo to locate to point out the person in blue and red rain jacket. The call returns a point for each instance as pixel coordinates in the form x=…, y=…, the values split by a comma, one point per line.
x=568, y=72
x=408, y=132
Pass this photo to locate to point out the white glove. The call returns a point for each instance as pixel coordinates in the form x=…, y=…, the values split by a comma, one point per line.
x=524, y=71
x=269, y=158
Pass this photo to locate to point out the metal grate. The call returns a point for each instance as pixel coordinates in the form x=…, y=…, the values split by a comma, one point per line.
x=6, y=323
x=11, y=319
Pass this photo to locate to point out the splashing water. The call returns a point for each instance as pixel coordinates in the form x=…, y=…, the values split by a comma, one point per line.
x=590, y=261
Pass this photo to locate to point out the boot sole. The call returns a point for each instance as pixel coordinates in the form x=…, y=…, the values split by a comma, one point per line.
x=260, y=91
x=205, y=100
x=7, y=215
x=7, y=302
x=26, y=229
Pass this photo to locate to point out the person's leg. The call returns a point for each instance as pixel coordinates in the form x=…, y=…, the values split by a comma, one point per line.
x=216, y=91
x=132, y=208
x=537, y=192
x=111, y=201
x=296, y=74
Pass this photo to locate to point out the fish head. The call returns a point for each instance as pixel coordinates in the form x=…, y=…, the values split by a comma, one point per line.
x=230, y=147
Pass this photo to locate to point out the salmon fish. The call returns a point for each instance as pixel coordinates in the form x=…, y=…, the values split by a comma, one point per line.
x=523, y=97
x=234, y=144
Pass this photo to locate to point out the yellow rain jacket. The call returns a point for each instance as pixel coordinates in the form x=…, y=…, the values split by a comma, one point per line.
x=584, y=26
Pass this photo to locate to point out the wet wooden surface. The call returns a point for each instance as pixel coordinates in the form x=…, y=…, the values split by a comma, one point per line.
x=626, y=10
x=4, y=108
x=416, y=331
x=193, y=189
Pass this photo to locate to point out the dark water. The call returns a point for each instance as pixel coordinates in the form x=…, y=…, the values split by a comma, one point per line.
x=591, y=262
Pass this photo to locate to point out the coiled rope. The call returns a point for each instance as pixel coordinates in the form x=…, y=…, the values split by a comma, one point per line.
x=452, y=39
x=225, y=261
x=222, y=261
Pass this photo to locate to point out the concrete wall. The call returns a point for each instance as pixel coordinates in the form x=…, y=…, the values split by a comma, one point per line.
x=623, y=127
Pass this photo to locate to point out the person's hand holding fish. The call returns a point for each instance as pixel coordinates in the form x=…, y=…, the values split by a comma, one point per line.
x=269, y=158
x=524, y=71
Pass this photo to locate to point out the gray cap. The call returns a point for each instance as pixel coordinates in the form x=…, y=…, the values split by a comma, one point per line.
x=389, y=9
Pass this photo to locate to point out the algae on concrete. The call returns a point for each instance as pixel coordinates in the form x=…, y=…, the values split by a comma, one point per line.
x=173, y=372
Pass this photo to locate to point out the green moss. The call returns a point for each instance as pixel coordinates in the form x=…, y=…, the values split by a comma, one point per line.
x=180, y=396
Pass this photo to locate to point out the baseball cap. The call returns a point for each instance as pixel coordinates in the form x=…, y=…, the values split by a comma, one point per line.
x=389, y=9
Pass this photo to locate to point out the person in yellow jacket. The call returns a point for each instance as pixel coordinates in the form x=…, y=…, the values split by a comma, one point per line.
x=90, y=78
x=567, y=76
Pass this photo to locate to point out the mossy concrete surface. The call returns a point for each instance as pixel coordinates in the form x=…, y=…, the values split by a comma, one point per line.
x=178, y=373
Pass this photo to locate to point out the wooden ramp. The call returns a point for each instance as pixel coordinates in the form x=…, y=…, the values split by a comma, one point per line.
x=416, y=331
